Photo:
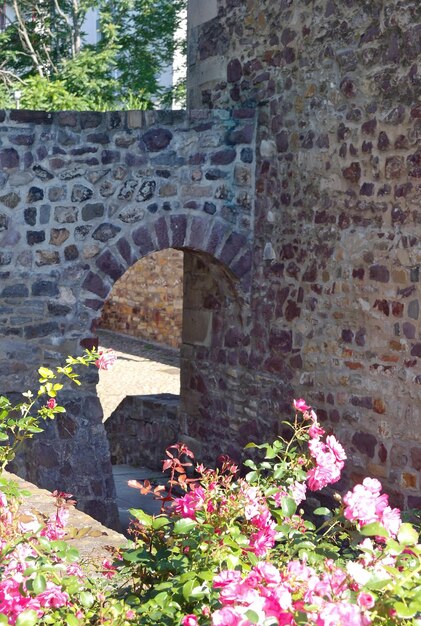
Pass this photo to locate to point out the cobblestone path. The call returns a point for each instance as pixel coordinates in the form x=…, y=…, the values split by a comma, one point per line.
x=141, y=369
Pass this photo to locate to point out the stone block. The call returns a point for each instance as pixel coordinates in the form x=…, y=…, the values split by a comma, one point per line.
x=200, y=12
x=197, y=327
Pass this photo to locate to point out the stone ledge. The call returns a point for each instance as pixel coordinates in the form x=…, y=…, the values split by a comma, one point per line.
x=94, y=544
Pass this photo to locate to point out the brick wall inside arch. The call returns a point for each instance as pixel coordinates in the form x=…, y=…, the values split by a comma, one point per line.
x=147, y=301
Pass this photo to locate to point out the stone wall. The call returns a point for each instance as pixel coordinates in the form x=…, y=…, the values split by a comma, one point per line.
x=83, y=197
x=335, y=315
x=301, y=242
x=141, y=428
x=147, y=301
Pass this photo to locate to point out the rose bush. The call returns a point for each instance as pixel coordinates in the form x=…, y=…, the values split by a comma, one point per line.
x=229, y=548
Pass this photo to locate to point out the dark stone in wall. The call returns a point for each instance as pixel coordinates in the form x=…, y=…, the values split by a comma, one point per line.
x=44, y=288
x=92, y=211
x=11, y=200
x=9, y=159
x=105, y=232
x=157, y=139
x=34, y=117
x=35, y=194
x=35, y=236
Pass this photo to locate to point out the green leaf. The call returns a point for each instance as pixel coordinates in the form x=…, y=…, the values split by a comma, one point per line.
x=184, y=526
x=188, y=588
x=3, y=437
x=45, y=373
x=27, y=618
x=377, y=581
x=34, y=429
x=270, y=453
x=86, y=599
x=252, y=616
x=252, y=476
x=404, y=611
x=160, y=522
x=143, y=517
x=39, y=584
x=72, y=620
x=322, y=510
x=374, y=530
x=3, y=619
x=288, y=506
x=407, y=535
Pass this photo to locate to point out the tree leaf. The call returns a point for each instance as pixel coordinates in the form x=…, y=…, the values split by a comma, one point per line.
x=404, y=611
x=86, y=599
x=159, y=522
x=143, y=517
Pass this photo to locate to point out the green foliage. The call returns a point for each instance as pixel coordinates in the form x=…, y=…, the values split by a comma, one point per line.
x=42, y=54
x=22, y=421
x=178, y=565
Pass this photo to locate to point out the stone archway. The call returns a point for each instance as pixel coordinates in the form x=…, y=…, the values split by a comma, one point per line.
x=83, y=197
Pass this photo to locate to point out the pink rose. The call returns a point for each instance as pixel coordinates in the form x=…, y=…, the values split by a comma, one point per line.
x=300, y=405
x=106, y=360
x=189, y=620
x=51, y=404
x=365, y=600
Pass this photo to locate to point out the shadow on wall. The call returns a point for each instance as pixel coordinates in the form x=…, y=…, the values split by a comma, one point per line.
x=141, y=428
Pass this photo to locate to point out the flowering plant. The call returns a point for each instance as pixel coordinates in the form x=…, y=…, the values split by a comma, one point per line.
x=227, y=549
x=237, y=551
x=22, y=421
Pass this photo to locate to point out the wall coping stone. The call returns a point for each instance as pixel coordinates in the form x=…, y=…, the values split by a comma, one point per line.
x=92, y=546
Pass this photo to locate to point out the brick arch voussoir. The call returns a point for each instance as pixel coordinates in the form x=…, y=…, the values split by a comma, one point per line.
x=179, y=230
x=198, y=233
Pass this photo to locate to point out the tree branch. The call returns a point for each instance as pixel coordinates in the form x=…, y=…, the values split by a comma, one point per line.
x=9, y=77
x=26, y=42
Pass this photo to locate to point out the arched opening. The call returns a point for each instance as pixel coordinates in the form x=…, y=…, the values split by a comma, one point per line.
x=142, y=415
x=142, y=321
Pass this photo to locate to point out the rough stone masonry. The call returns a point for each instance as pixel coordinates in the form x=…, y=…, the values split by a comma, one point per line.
x=83, y=196
x=337, y=88
x=296, y=198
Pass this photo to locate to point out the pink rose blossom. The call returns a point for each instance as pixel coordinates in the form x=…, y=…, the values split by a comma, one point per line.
x=321, y=476
x=315, y=431
x=190, y=503
x=189, y=620
x=108, y=569
x=106, y=360
x=262, y=541
x=365, y=505
x=227, y=616
x=335, y=447
x=391, y=520
x=365, y=600
x=53, y=596
x=51, y=404
x=226, y=577
x=298, y=492
x=300, y=405
x=268, y=572
x=341, y=613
